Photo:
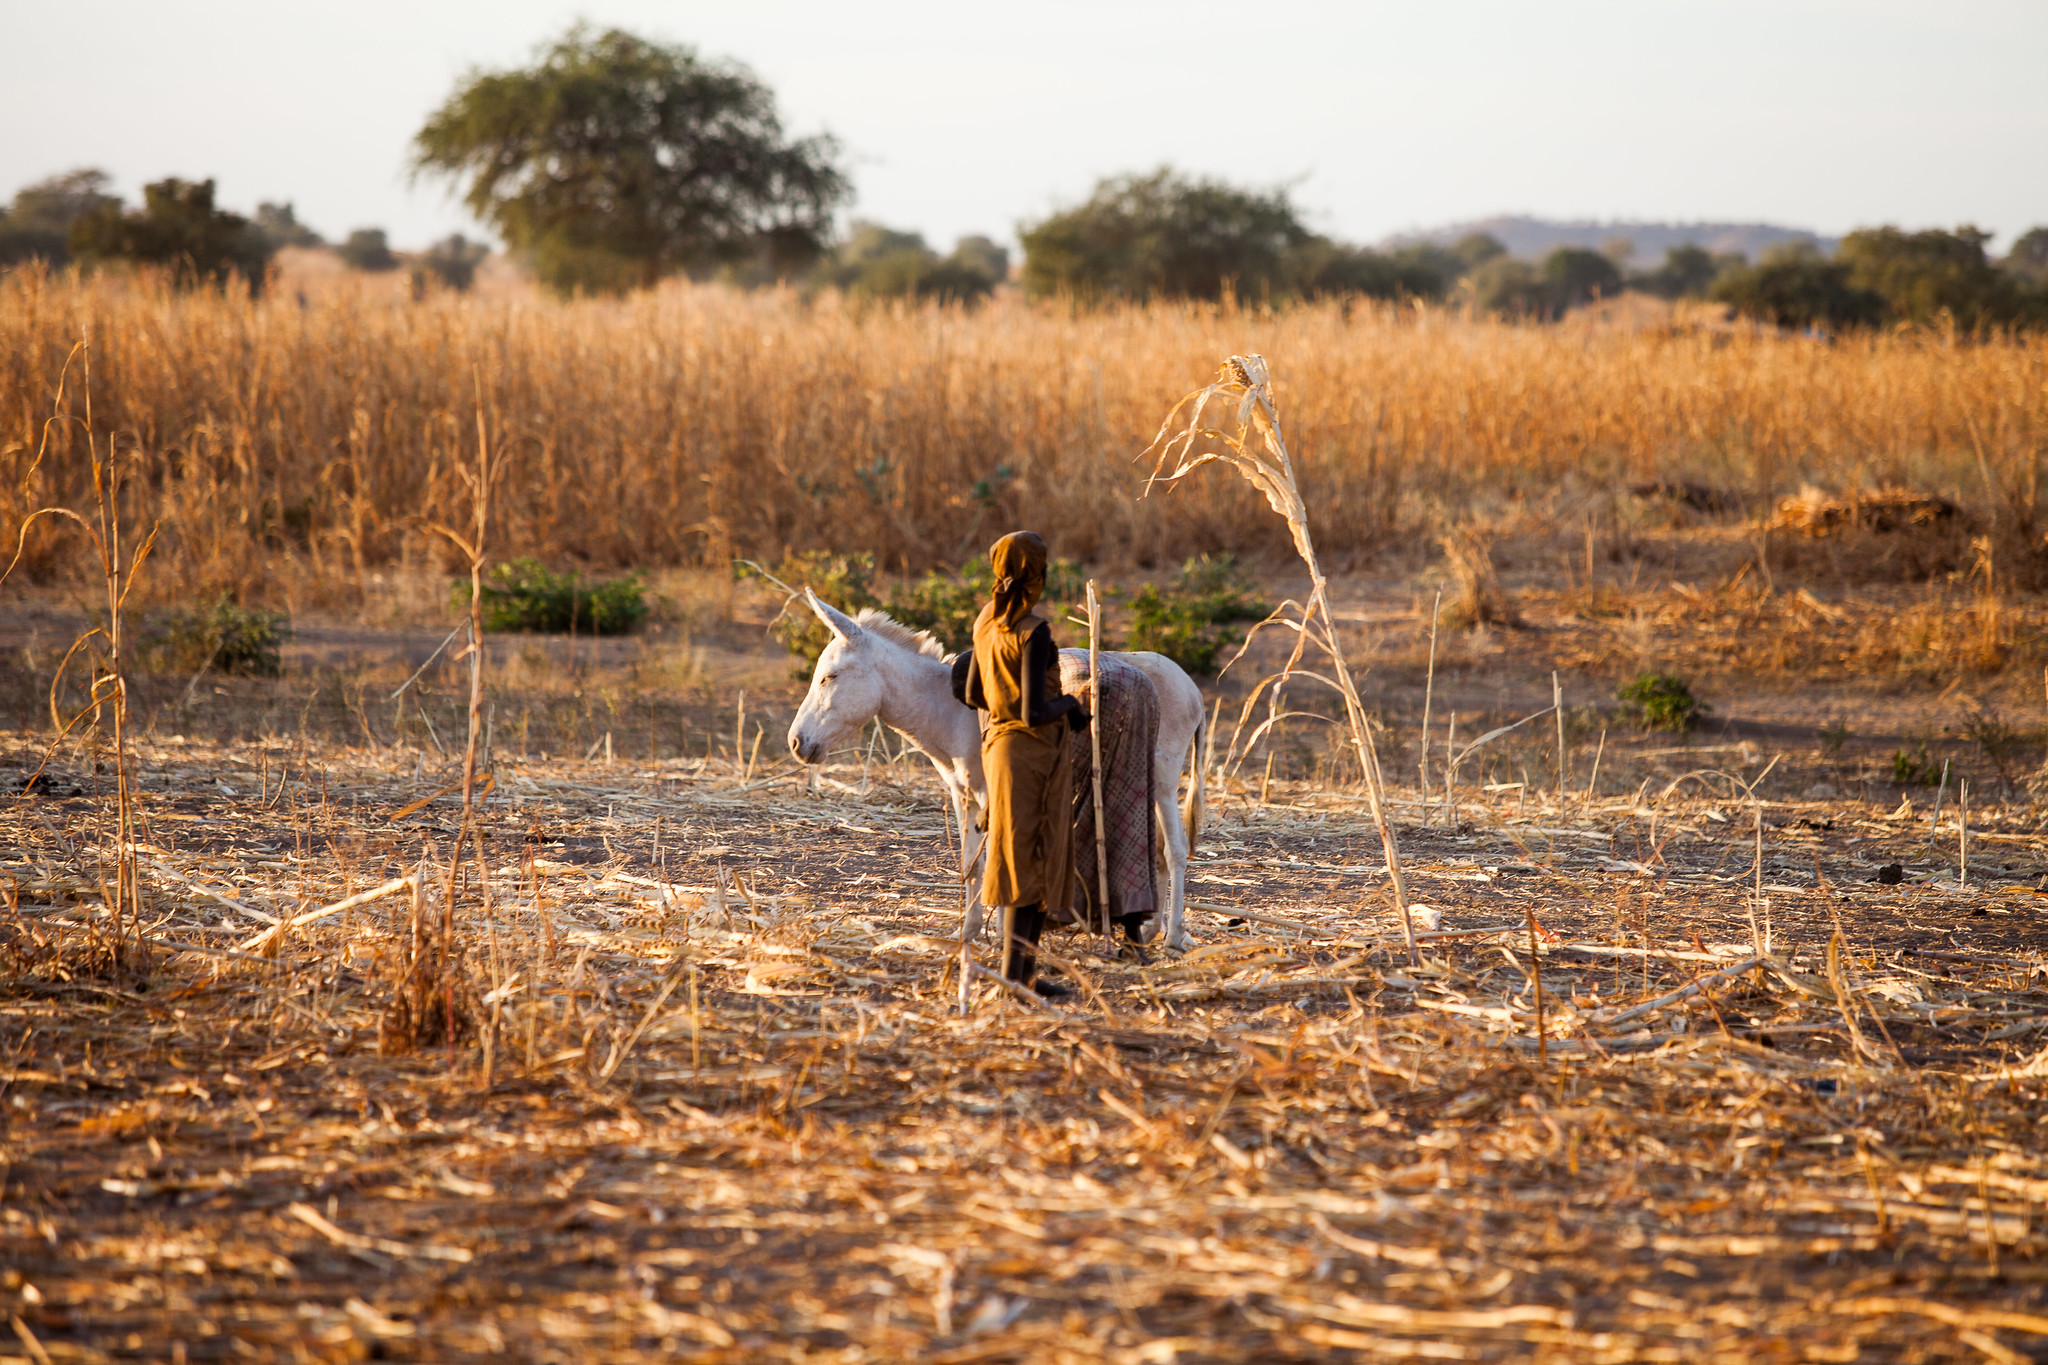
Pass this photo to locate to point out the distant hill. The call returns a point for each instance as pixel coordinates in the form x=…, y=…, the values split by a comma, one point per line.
x=1534, y=238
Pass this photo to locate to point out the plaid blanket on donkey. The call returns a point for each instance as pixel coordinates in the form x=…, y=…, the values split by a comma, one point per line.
x=1130, y=733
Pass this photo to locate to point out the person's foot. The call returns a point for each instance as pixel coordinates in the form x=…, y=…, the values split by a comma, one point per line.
x=1050, y=989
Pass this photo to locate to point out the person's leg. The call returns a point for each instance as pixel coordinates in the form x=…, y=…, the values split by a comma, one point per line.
x=1022, y=925
x=1134, y=931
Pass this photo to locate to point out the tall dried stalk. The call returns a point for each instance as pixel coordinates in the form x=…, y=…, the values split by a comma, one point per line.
x=1258, y=452
x=472, y=548
x=108, y=694
x=1095, y=743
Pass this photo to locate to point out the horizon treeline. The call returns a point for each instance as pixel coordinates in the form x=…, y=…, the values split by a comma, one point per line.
x=1137, y=238
x=612, y=162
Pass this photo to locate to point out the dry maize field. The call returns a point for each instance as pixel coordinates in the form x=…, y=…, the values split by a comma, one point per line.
x=1724, y=1045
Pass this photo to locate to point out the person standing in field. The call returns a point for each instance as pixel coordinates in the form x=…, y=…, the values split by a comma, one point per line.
x=1013, y=673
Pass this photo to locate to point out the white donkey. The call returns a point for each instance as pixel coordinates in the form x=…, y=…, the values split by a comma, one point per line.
x=878, y=667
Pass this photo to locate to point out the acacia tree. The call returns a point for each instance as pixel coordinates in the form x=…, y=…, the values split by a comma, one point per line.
x=613, y=161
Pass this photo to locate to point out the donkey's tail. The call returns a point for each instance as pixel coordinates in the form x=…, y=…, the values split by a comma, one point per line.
x=1192, y=810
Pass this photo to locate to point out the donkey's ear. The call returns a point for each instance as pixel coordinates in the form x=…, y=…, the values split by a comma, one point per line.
x=837, y=621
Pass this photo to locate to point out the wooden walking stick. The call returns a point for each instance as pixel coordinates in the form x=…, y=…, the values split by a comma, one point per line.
x=1095, y=746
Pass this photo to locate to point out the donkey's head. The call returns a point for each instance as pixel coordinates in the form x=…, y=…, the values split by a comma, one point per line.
x=846, y=687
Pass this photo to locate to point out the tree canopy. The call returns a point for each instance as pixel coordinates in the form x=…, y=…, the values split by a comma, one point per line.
x=1688, y=272
x=1164, y=234
x=613, y=161
x=280, y=223
x=880, y=262
x=177, y=227
x=1921, y=275
x=367, y=249
x=2029, y=254
x=1888, y=275
x=1798, y=287
x=451, y=262
x=38, y=223
x=1167, y=235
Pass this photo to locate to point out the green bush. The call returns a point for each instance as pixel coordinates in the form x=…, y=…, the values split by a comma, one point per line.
x=1194, y=618
x=843, y=581
x=526, y=595
x=1660, y=701
x=943, y=603
x=1915, y=767
x=222, y=638
x=946, y=604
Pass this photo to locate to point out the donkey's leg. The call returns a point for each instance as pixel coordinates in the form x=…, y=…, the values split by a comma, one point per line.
x=970, y=917
x=1174, y=837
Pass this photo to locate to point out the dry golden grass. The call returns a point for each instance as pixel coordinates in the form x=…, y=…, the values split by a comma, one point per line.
x=298, y=440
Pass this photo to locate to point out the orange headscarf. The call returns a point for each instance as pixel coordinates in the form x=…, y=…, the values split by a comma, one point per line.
x=1018, y=562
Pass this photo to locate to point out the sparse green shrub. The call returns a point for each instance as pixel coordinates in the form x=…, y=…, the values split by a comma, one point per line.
x=2004, y=744
x=1660, y=701
x=843, y=581
x=1915, y=767
x=1195, y=618
x=946, y=604
x=525, y=595
x=222, y=638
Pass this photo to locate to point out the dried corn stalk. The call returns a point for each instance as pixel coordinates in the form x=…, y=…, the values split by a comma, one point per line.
x=1258, y=451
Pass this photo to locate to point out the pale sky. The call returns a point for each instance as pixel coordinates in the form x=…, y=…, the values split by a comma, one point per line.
x=1822, y=114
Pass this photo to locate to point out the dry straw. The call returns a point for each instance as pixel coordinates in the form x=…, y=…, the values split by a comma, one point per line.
x=1258, y=452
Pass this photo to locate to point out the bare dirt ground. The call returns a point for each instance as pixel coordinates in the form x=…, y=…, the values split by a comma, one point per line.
x=1723, y=1057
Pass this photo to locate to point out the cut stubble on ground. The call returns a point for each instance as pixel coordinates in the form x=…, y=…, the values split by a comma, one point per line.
x=718, y=1106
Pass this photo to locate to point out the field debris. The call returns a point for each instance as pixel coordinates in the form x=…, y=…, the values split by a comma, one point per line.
x=711, y=1100
x=1878, y=509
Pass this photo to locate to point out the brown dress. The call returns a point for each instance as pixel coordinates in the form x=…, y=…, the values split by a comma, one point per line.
x=1028, y=768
